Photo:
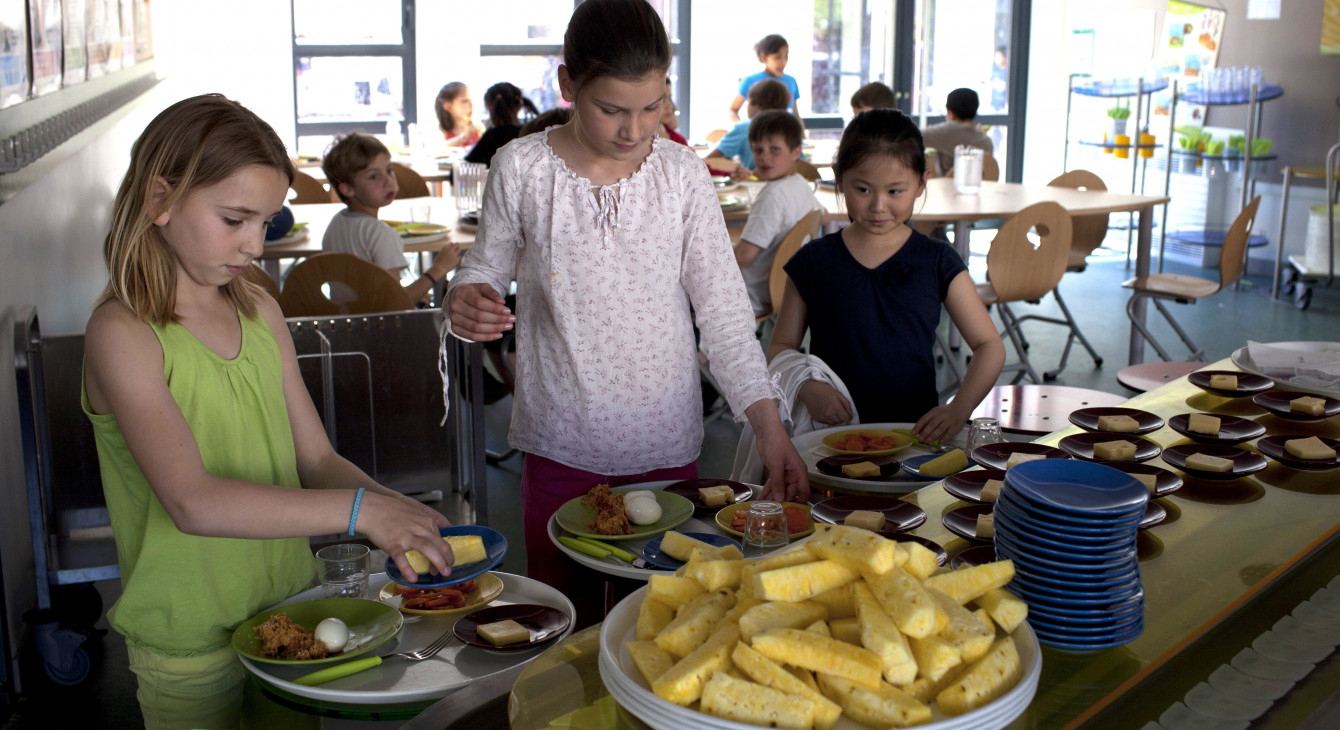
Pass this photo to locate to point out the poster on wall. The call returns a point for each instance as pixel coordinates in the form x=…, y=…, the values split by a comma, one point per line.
x=1330, y=27
x=99, y=37
x=13, y=52
x=44, y=33
x=127, y=33
x=75, y=44
x=144, y=47
x=1190, y=42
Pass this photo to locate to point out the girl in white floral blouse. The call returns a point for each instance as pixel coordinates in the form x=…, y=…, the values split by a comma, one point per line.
x=617, y=243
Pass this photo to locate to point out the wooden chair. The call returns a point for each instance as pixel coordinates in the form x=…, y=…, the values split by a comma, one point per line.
x=805, y=229
x=411, y=183
x=1018, y=272
x=715, y=136
x=374, y=288
x=990, y=168
x=1087, y=234
x=1188, y=289
x=808, y=171
x=310, y=190
x=256, y=275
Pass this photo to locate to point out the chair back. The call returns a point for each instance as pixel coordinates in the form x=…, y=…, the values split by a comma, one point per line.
x=411, y=183
x=715, y=135
x=807, y=171
x=990, y=168
x=310, y=190
x=806, y=228
x=1232, y=257
x=256, y=275
x=1017, y=270
x=1087, y=231
x=374, y=288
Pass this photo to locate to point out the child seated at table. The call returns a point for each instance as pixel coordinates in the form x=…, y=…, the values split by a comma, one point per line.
x=455, y=111
x=874, y=95
x=764, y=95
x=359, y=169
x=775, y=137
x=505, y=103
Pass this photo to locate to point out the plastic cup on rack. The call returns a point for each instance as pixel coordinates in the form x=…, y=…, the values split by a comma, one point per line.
x=1123, y=150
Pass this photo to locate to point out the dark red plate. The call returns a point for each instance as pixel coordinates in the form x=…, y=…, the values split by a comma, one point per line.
x=1081, y=445
x=1273, y=446
x=979, y=555
x=1232, y=430
x=1087, y=418
x=1154, y=514
x=544, y=622
x=1165, y=482
x=968, y=484
x=1247, y=382
x=994, y=456
x=1277, y=402
x=832, y=466
x=898, y=515
x=688, y=489
x=963, y=521
x=1244, y=462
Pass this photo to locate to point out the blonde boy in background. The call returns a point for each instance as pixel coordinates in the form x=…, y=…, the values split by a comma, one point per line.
x=764, y=95
x=774, y=138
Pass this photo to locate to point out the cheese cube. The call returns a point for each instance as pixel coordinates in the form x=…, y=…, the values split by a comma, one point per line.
x=501, y=633
x=1121, y=424
x=860, y=470
x=945, y=464
x=1114, y=450
x=1018, y=458
x=865, y=519
x=991, y=490
x=1149, y=480
x=986, y=525
x=1205, y=462
x=1309, y=448
x=1311, y=405
x=1202, y=423
x=1224, y=382
x=715, y=496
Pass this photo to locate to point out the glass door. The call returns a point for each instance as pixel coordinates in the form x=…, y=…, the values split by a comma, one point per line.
x=942, y=45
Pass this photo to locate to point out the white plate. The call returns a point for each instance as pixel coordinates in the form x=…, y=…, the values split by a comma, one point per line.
x=398, y=680
x=811, y=448
x=628, y=687
x=1243, y=360
x=301, y=235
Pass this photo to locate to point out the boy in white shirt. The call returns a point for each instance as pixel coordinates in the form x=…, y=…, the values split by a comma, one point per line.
x=774, y=138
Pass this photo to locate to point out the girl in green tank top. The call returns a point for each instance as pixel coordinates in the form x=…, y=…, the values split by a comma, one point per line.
x=214, y=463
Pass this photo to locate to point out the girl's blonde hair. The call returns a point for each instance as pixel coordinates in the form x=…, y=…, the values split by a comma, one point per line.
x=193, y=144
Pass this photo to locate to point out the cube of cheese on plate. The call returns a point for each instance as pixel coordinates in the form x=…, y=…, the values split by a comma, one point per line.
x=1114, y=450
x=865, y=519
x=1309, y=404
x=1203, y=423
x=716, y=496
x=1018, y=458
x=991, y=490
x=1205, y=462
x=1149, y=480
x=1224, y=382
x=986, y=525
x=1309, y=448
x=1120, y=424
x=860, y=470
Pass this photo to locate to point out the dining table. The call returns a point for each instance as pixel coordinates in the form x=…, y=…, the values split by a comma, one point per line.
x=1225, y=574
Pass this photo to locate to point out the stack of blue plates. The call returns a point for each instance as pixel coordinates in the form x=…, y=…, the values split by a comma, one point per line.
x=1069, y=526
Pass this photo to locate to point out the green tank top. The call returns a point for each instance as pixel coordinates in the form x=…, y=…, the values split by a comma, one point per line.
x=183, y=595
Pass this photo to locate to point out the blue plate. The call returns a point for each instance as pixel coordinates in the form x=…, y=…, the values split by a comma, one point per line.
x=912, y=466
x=1062, y=560
x=1107, y=606
x=1093, y=534
x=494, y=544
x=1069, y=644
x=1089, y=618
x=1062, y=592
x=652, y=550
x=1034, y=570
x=1080, y=488
x=1070, y=523
x=1034, y=537
x=1089, y=632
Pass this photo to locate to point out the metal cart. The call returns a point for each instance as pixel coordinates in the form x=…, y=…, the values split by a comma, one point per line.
x=1298, y=279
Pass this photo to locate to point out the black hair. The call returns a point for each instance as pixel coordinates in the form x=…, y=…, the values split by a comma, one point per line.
x=449, y=93
x=560, y=115
x=505, y=102
x=886, y=132
x=963, y=102
x=873, y=95
x=776, y=122
x=624, y=39
x=768, y=94
x=769, y=45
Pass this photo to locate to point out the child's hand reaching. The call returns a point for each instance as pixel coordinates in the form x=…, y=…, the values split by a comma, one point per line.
x=938, y=425
x=741, y=173
x=825, y=403
x=447, y=259
x=398, y=523
x=478, y=313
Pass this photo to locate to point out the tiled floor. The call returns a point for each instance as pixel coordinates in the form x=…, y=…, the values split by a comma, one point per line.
x=1220, y=324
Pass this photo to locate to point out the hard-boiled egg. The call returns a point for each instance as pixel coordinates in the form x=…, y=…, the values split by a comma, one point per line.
x=638, y=494
x=333, y=633
x=643, y=511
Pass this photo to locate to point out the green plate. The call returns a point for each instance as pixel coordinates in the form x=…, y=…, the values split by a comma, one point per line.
x=371, y=624
x=675, y=510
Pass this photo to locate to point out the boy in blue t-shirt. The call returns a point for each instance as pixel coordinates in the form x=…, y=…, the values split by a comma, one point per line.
x=773, y=52
x=768, y=94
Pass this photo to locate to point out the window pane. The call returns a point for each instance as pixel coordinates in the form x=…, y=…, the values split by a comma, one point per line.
x=332, y=22
x=524, y=21
x=356, y=88
x=969, y=47
x=536, y=76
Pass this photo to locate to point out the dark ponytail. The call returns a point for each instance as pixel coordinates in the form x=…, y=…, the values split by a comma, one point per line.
x=505, y=102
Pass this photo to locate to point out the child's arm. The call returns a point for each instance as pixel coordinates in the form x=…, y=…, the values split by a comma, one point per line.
x=988, y=357
x=746, y=252
x=735, y=108
x=824, y=402
x=445, y=260
x=474, y=301
x=788, y=479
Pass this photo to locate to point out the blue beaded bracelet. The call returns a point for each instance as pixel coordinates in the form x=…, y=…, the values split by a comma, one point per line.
x=353, y=518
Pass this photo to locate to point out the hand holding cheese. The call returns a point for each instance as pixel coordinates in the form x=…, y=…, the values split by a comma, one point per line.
x=465, y=549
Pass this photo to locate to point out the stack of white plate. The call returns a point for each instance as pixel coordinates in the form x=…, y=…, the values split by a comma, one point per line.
x=628, y=687
x=1069, y=527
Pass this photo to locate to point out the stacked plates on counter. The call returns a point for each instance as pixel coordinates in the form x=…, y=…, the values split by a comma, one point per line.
x=1070, y=526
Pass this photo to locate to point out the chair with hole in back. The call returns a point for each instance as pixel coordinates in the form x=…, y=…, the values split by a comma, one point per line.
x=1087, y=234
x=1017, y=271
x=808, y=171
x=309, y=190
x=256, y=275
x=411, y=183
x=1188, y=289
x=715, y=136
x=356, y=287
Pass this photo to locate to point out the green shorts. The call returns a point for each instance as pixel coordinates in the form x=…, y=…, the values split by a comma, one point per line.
x=207, y=691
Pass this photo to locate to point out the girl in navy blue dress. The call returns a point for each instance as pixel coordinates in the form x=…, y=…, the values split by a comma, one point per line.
x=871, y=293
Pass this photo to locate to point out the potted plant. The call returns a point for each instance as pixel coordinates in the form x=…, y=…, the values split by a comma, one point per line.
x=1260, y=148
x=1234, y=152
x=1189, y=147
x=1119, y=114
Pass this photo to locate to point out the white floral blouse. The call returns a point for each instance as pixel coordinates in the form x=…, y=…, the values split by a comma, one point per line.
x=607, y=373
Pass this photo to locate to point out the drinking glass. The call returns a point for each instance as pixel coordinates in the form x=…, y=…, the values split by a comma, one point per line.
x=983, y=431
x=343, y=570
x=764, y=528
x=468, y=185
x=967, y=170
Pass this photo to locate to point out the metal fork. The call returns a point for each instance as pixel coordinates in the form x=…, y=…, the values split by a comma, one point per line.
x=322, y=676
x=428, y=651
